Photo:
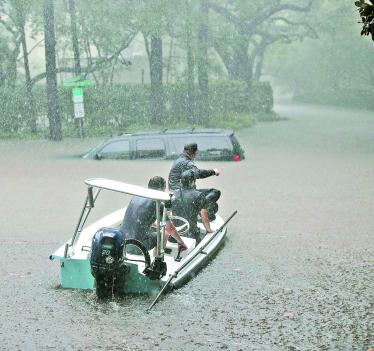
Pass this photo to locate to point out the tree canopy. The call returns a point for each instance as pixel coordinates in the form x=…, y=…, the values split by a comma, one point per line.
x=191, y=43
x=366, y=11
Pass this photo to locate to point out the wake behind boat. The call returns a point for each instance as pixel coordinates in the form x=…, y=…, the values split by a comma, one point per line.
x=112, y=267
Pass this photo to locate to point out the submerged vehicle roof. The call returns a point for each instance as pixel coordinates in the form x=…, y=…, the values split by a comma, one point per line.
x=195, y=131
x=215, y=144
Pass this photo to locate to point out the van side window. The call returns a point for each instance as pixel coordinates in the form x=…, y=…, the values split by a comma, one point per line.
x=210, y=147
x=116, y=150
x=150, y=148
x=214, y=143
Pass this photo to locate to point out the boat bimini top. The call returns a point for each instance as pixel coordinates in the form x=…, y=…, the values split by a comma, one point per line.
x=99, y=184
x=130, y=189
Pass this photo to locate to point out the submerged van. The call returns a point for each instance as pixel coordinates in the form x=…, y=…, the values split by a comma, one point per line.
x=213, y=144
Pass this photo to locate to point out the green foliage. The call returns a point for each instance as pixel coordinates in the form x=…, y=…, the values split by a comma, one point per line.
x=236, y=96
x=225, y=97
x=126, y=107
x=117, y=106
x=13, y=109
x=366, y=11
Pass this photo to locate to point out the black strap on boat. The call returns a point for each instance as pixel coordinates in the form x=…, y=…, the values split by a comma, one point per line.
x=142, y=248
x=201, y=250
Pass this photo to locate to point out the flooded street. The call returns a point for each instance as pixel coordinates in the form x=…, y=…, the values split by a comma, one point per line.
x=295, y=273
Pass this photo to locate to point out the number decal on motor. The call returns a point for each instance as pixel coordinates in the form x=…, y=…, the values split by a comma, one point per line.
x=105, y=252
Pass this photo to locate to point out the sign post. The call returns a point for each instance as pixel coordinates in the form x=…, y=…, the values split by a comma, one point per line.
x=77, y=84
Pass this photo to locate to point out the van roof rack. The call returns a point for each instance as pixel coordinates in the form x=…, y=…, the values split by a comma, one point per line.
x=182, y=131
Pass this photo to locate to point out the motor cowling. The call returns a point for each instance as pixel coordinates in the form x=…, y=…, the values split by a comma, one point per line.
x=107, y=249
x=106, y=261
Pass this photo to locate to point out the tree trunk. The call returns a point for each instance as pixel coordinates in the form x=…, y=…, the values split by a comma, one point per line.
x=156, y=66
x=202, y=61
x=170, y=57
x=78, y=122
x=258, y=63
x=237, y=62
x=191, y=114
x=241, y=67
x=28, y=85
x=74, y=37
x=51, y=76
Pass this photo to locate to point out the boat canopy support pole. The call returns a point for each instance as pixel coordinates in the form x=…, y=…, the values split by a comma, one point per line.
x=160, y=230
x=88, y=205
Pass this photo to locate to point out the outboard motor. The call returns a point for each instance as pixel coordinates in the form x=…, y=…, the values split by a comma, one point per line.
x=106, y=260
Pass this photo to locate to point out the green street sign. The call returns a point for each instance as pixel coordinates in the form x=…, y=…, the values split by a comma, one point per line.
x=78, y=82
x=85, y=83
x=77, y=91
x=82, y=83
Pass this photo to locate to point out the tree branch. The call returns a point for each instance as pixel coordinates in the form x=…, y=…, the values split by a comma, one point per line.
x=8, y=27
x=33, y=48
x=41, y=76
x=98, y=64
x=225, y=13
x=247, y=27
x=261, y=17
x=90, y=68
x=313, y=34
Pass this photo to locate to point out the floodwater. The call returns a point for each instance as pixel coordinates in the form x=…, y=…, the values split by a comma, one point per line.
x=295, y=273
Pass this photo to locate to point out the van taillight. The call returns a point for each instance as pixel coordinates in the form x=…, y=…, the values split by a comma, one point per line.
x=236, y=158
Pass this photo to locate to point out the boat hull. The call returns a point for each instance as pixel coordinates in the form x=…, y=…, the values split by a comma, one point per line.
x=75, y=269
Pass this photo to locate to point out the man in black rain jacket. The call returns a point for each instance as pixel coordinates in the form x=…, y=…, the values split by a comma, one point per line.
x=185, y=162
x=189, y=203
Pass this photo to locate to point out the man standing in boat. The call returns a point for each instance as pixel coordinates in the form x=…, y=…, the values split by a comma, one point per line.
x=189, y=203
x=141, y=214
x=186, y=162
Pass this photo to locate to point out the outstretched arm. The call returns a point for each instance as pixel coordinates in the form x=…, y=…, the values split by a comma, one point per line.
x=202, y=173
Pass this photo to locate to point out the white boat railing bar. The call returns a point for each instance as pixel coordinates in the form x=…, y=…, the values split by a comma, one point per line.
x=184, y=264
x=89, y=204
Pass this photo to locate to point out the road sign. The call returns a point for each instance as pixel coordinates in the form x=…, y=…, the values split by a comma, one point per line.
x=78, y=81
x=77, y=91
x=83, y=83
x=78, y=99
x=78, y=110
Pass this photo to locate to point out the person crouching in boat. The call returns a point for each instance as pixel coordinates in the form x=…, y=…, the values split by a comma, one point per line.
x=189, y=203
x=185, y=162
x=140, y=216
